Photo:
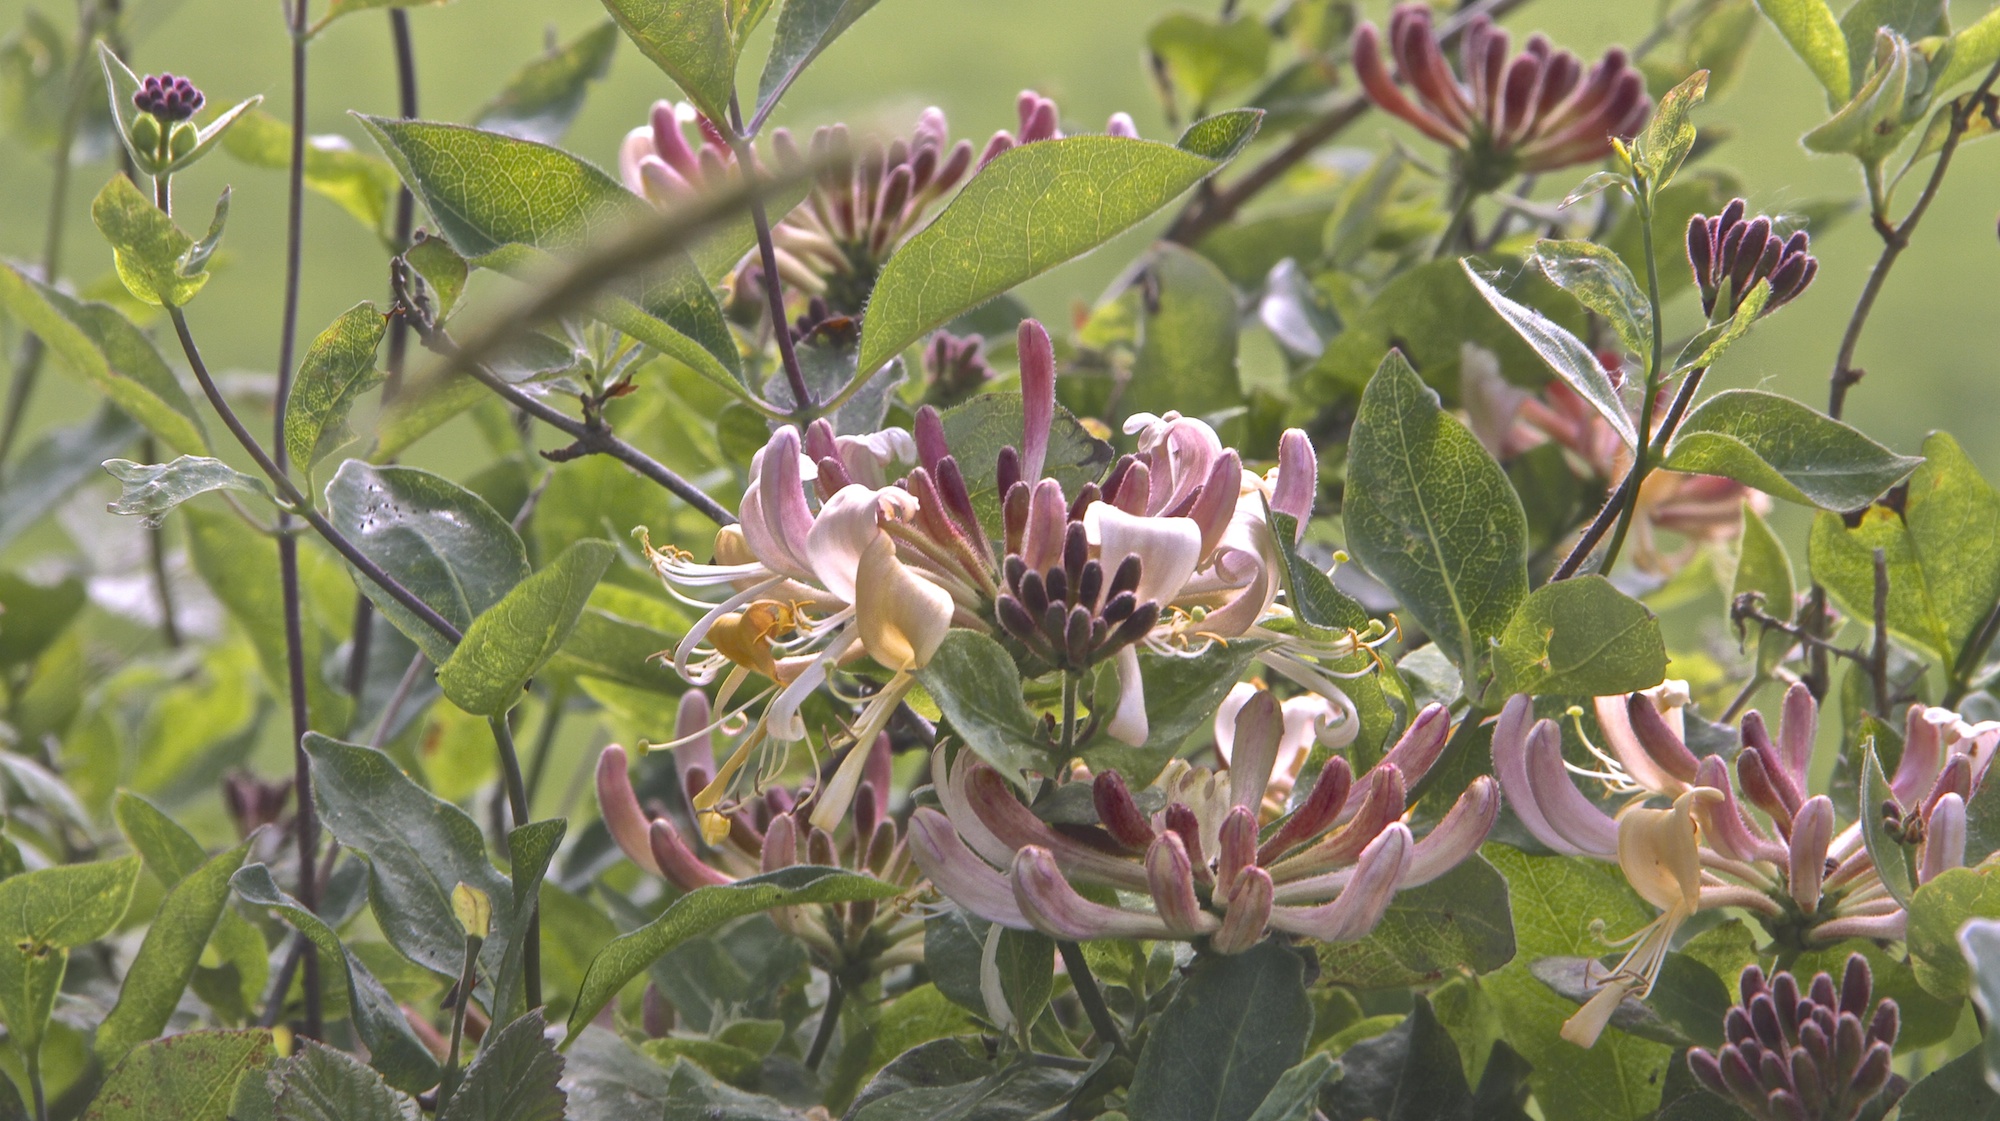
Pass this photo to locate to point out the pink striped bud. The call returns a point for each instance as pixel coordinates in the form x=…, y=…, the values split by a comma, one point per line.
x=1297, y=484
x=1118, y=812
x=1812, y=831
x=1458, y=836
x=1249, y=912
x=1038, y=395
x=677, y=862
x=960, y=875
x=1236, y=847
x=1360, y=905
x=1315, y=815
x=1660, y=742
x=623, y=817
x=1944, y=839
x=1260, y=724
x=1170, y=878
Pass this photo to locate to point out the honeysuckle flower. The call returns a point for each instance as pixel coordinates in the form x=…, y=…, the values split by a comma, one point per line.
x=1797, y=874
x=773, y=831
x=1537, y=112
x=1311, y=720
x=1200, y=868
x=1039, y=121
x=169, y=98
x=1804, y=1054
x=1730, y=255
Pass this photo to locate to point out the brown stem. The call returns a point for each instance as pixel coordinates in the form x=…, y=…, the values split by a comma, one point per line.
x=767, y=256
x=1626, y=496
x=1878, y=656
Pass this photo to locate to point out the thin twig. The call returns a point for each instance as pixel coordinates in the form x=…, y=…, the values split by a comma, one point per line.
x=1626, y=496
x=1878, y=657
x=1895, y=239
x=545, y=738
x=290, y=492
x=1101, y=1020
x=1748, y=609
x=1205, y=212
x=774, y=289
x=156, y=560
x=396, y=701
x=517, y=802
x=829, y=1020
x=1970, y=658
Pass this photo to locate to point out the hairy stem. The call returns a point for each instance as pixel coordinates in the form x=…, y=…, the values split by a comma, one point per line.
x=517, y=804
x=774, y=289
x=1895, y=239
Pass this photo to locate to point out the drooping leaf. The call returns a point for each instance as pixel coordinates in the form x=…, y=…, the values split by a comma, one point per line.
x=1031, y=209
x=150, y=250
x=337, y=369
x=1460, y=920
x=437, y=539
x=513, y=1079
x=1600, y=281
x=976, y=685
x=419, y=848
x=1785, y=449
x=393, y=1048
x=1298, y=1090
x=1942, y=551
x=1580, y=637
x=160, y=972
x=33, y=615
x=530, y=848
x=1565, y=353
x=1911, y=19
x=511, y=641
x=1971, y=51
x=318, y=1083
x=1315, y=602
x=490, y=192
x=188, y=1077
x=805, y=28
x=362, y=185
x=153, y=489
x=1236, y=1025
x=543, y=97
x=1891, y=858
x=43, y=915
x=1432, y=516
x=1814, y=35
x=703, y=910
x=1957, y=1091
x=115, y=357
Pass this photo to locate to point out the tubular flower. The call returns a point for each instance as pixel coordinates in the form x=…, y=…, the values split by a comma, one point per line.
x=1536, y=112
x=1806, y=1053
x=1311, y=721
x=769, y=832
x=1038, y=118
x=1201, y=868
x=833, y=567
x=1730, y=255
x=1793, y=869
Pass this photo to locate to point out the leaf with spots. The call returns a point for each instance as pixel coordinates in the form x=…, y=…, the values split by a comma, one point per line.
x=337, y=368
x=510, y=642
x=188, y=1077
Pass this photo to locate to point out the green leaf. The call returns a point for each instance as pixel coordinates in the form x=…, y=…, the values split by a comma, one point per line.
x=1871, y=125
x=1460, y=920
x=419, y=848
x=1600, y=281
x=1432, y=516
x=530, y=848
x=364, y=186
x=149, y=250
x=1912, y=19
x=514, y=1078
x=1031, y=209
x=1810, y=30
x=1297, y=1091
x=1943, y=554
x=33, y=615
x=318, y=1083
x=1785, y=449
x=393, y=1047
x=543, y=97
x=43, y=915
x=979, y=428
x=160, y=972
x=150, y=490
x=437, y=539
x=1980, y=941
x=1659, y=150
x=240, y=566
x=1206, y=58
x=1978, y=125
x=511, y=641
x=188, y=1077
x=704, y=909
x=976, y=685
x=1685, y=1008
x=1565, y=353
x=1555, y=901
x=1891, y=857
x=1187, y=314
x=58, y=462
x=805, y=28
x=1938, y=909
x=489, y=191
x=442, y=269
x=1236, y=1025
x=1411, y=1073
x=339, y=8
x=115, y=357
x=1971, y=51
x=337, y=368
x=692, y=41
x=1957, y=1091
x=1580, y=638
x=1763, y=566
x=1025, y=963
x=1314, y=601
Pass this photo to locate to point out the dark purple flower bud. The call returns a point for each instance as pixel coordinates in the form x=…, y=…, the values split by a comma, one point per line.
x=1785, y=999
x=1707, y=1071
x=1872, y=1075
x=1089, y=584
x=1822, y=991
x=1125, y=578
x=1178, y=818
x=1057, y=580
x=1764, y=1017
x=1007, y=469
x=1120, y=607
x=1751, y=983
x=1736, y=1025
x=1119, y=813
x=1856, y=983
x=1887, y=1020
x=167, y=97
x=1737, y=1071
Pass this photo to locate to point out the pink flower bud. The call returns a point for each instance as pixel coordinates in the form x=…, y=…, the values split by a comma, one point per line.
x=1298, y=479
x=1923, y=753
x=694, y=741
x=781, y=844
x=1236, y=848
x=1458, y=836
x=1658, y=740
x=958, y=874
x=677, y=862
x=1170, y=878
x=1053, y=907
x=1038, y=395
x=623, y=817
x=1249, y=912
x=1315, y=814
x=1812, y=831
x=1360, y=905
x=1119, y=813
x=1260, y=724
x=1944, y=839
x=1797, y=727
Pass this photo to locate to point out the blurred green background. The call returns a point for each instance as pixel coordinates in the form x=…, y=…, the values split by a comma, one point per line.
x=1931, y=351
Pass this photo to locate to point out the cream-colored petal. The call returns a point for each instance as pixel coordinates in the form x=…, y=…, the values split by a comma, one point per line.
x=902, y=616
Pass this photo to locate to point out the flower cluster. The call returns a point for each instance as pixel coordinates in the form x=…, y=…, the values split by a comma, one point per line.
x=1800, y=876
x=769, y=833
x=1727, y=252
x=168, y=98
x=1175, y=537
x=1802, y=1054
x=1205, y=866
x=1537, y=112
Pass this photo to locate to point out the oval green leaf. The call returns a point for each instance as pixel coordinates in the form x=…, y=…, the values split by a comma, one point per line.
x=511, y=641
x=1786, y=450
